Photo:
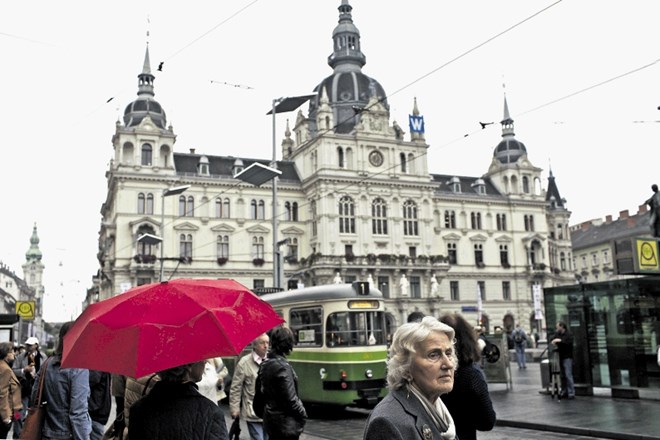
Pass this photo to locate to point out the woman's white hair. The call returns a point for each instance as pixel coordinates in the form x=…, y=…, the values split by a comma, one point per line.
x=405, y=339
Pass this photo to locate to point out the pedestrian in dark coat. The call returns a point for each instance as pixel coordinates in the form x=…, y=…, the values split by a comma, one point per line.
x=284, y=414
x=175, y=410
x=469, y=401
x=419, y=370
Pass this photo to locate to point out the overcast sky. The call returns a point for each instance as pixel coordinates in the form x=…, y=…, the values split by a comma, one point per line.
x=582, y=81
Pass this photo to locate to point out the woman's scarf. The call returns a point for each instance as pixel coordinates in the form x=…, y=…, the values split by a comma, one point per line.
x=438, y=413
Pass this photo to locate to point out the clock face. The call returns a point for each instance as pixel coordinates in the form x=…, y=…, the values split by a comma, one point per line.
x=376, y=158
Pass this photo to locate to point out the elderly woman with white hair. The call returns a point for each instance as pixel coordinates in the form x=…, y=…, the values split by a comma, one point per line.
x=421, y=367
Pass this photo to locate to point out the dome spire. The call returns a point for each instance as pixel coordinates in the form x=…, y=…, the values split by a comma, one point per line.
x=346, y=37
x=145, y=104
x=146, y=79
x=34, y=253
x=509, y=150
x=507, y=122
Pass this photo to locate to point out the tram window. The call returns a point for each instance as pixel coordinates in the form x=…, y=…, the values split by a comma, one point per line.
x=355, y=329
x=307, y=326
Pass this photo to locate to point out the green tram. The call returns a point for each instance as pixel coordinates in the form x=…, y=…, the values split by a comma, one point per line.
x=341, y=343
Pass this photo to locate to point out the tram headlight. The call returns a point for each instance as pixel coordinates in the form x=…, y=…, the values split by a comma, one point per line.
x=368, y=374
x=343, y=375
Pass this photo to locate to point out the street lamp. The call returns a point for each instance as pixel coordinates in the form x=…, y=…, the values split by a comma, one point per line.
x=280, y=105
x=166, y=192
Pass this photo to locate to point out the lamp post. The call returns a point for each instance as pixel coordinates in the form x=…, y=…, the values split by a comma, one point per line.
x=166, y=192
x=258, y=174
x=280, y=105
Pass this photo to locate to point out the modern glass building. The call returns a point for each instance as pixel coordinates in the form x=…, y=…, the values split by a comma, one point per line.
x=616, y=329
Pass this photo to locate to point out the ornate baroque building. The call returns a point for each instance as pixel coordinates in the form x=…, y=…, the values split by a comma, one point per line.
x=357, y=202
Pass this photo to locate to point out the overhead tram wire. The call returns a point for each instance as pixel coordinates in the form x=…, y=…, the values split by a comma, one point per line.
x=442, y=146
x=323, y=132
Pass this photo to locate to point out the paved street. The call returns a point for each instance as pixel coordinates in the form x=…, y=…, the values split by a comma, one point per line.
x=523, y=413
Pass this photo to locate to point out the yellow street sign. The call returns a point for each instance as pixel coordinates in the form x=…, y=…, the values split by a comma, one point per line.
x=647, y=254
x=25, y=309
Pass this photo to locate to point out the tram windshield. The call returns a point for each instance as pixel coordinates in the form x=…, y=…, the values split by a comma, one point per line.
x=348, y=329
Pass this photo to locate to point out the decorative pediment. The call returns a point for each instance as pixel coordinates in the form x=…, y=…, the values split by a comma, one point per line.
x=144, y=221
x=292, y=230
x=504, y=239
x=223, y=227
x=258, y=229
x=186, y=226
x=533, y=237
x=478, y=237
x=451, y=237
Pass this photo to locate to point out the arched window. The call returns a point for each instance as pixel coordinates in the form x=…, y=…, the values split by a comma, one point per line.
x=182, y=206
x=475, y=220
x=258, y=247
x=340, y=157
x=562, y=261
x=147, y=152
x=450, y=219
x=257, y=209
x=185, y=246
x=411, y=163
x=312, y=208
x=150, y=204
x=404, y=167
x=141, y=201
x=346, y=215
x=504, y=255
x=291, y=211
x=190, y=209
x=525, y=184
x=501, y=222
x=529, y=223
x=410, y=224
x=223, y=246
x=379, y=217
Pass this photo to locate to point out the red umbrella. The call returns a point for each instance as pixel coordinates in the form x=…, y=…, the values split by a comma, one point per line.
x=159, y=326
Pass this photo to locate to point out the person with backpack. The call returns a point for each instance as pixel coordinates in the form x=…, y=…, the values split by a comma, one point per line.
x=520, y=343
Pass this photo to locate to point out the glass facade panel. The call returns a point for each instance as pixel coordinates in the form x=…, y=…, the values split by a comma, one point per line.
x=616, y=329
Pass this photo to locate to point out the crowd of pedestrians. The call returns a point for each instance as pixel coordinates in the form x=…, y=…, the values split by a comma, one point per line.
x=437, y=389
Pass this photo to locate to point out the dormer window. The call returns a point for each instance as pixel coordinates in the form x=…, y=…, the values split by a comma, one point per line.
x=237, y=167
x=203, y=166
x=454, y=184
x=479, y=186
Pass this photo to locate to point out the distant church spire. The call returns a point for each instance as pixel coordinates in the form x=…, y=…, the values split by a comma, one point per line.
x=34, y=253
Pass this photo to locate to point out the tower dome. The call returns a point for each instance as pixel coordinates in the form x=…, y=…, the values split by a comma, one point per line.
x=145, y=104
x=348, y=89
x=509, y=150
x=34, y=253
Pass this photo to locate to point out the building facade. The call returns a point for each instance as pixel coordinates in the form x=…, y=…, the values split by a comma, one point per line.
x=355, y=201
x=594, y=244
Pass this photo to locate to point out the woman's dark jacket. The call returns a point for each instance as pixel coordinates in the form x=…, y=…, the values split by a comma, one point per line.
x=469, y=402
x=284, y=413
x=176, y=411
x=100, y=399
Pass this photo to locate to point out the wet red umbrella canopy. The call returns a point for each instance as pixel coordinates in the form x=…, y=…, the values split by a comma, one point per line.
x=159, y=326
